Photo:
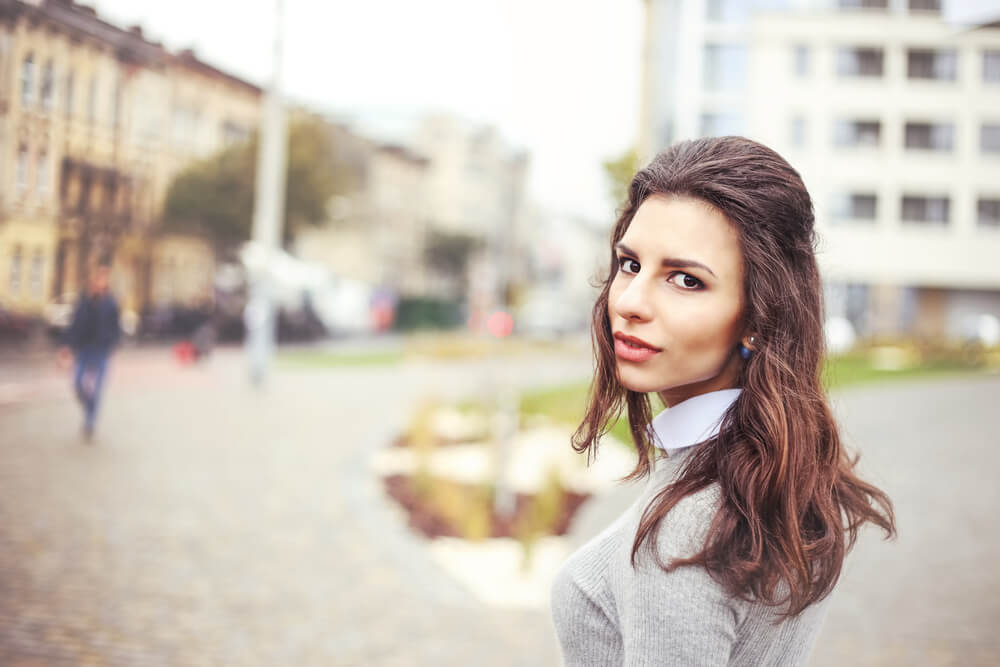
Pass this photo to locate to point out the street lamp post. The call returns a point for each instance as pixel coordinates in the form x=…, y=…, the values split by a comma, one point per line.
x=268, y=210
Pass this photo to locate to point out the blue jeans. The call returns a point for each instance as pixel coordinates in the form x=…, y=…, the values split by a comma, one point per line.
x=88, y=380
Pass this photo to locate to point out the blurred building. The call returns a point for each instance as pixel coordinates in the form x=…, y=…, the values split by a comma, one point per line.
x=375, y=233
x=567, y=261
x=438, y=211
x=889, y=111
x=95, y=120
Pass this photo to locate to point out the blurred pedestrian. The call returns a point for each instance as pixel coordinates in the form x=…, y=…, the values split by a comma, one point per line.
x=92, y=335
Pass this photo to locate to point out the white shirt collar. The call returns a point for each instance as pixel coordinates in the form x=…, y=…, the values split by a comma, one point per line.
x=692, y=421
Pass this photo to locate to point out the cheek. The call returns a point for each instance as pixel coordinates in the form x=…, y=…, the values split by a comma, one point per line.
x=613, y=293
x=705, y=329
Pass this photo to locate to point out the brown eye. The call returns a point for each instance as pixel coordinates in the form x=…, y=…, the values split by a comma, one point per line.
x=628, y=265
x=687, y=281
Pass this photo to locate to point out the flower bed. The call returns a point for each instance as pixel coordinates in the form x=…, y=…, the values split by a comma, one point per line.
x=429, y=519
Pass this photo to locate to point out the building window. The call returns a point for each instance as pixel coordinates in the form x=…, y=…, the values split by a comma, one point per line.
x=721, y=124
x=185, y=127
x=929, y=136
x=855, y=206
x=28, y=81
x=69, y=93
x=233, y=133
x=991, y=65
x=35, y=273
x=859, y=61
x=116, y=104
x=801, y=58
x=988, y=212
x=863, y=4
x=92, y=100
x=21, y=182
x=15, y=270
x=989, y=138
x=47, y=85
x=797, y=133
x=925, y=6
x=725, y=66
x=728, y=11
x=938, y=64
x=43, y=173
x=926, y=210
x=857, y=133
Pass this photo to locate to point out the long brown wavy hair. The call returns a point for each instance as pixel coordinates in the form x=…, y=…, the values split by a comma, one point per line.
x=791, y=504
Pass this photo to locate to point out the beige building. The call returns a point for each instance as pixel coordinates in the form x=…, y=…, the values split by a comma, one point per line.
x=95, y=120
x=476, y=187
x=425, y=182
x=375, y=234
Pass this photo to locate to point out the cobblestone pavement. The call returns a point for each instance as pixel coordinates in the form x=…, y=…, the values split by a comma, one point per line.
x=931, y=597
x=212, y=524
x=35, y=375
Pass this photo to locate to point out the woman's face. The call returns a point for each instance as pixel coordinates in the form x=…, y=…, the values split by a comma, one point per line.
x=679, y=290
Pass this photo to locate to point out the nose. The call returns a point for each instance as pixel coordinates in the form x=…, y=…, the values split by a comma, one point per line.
x=632, y=302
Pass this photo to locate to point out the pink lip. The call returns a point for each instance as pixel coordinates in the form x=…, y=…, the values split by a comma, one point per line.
x=634, y=354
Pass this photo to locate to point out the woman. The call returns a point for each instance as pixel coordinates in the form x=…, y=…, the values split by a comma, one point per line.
x=714, y=303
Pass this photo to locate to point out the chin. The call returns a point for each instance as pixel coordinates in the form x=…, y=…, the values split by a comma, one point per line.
x=637, y=382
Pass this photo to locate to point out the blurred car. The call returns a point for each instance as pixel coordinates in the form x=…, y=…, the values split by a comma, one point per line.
x=345, y=307
x=840, y=335
x=982, y=329
x=547, y=314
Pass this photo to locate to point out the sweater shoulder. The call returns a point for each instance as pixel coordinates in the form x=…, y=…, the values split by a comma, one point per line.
x=683, y=530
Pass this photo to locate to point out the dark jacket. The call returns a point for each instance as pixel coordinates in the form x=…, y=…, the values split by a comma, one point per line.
x=95, y=323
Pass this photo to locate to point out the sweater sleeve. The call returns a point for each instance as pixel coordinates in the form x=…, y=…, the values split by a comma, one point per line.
x=683, y=617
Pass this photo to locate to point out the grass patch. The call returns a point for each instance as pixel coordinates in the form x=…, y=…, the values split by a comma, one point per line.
x=566, y=404
x=437, y=346
x=468, y=346
x=854, y=370
x=327, y=359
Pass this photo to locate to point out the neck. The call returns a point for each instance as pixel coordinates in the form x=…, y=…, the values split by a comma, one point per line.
x=727, y=378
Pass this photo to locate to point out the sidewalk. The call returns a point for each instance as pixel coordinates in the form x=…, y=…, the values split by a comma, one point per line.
x=213, y=524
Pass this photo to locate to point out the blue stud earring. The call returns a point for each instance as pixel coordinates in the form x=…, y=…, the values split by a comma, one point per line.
x=746, y=352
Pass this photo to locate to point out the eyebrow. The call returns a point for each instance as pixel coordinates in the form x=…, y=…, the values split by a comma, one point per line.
x=669, y=261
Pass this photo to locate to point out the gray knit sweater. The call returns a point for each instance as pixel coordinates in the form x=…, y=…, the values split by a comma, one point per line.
x=607, y=613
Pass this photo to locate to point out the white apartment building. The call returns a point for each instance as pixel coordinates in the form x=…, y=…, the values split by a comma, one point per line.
x=890, y=113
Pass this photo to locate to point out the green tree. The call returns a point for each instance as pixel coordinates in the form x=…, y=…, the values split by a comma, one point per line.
x=619, y=172
x=214, y=197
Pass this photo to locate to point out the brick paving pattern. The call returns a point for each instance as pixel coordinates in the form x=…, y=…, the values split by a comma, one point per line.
x=210, y=524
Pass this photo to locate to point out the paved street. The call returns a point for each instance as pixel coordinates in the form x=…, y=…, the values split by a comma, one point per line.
x=932, y=597
x=210, y=524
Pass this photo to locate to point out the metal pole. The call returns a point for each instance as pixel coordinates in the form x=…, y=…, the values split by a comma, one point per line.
x=268, y=212
x=508, y=413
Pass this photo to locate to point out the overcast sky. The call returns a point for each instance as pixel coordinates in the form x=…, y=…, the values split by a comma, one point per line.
x=559, y=78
